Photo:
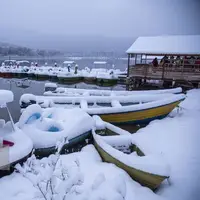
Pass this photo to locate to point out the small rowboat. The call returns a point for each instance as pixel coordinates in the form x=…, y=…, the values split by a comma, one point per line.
x=121, y=150
x=15, y=146
x=140, y=109
x=60, y=91
x=55, y=125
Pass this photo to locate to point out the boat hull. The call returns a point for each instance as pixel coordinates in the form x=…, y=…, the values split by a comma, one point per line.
x=42, y=76
x=70, y=79
x=90, y=79
x=8, y=169
x=106, y=82
x=74, y=145
x=139, y=117
x=151, y=181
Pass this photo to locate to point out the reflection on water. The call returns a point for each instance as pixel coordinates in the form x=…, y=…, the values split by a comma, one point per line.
x=22, y=86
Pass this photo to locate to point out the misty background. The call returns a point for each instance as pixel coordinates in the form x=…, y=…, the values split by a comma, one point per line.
x=93, y=25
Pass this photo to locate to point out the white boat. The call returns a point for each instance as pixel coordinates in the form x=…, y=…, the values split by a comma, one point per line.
x=15, y=145
x=60, y=91
x=55, y=125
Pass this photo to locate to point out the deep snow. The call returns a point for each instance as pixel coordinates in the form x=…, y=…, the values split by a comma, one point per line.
x=176, y=138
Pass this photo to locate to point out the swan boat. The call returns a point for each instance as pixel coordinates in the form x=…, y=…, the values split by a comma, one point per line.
x=71, y=127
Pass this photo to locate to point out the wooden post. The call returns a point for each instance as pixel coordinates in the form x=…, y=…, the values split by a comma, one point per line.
x=163, y=71
x=128, y=65
x=135, y=59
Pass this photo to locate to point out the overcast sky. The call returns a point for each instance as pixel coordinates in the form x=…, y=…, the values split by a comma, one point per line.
x=112, y=18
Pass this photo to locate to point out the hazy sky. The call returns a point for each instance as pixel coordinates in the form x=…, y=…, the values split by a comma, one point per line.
x=74, y=25
x=121, y=18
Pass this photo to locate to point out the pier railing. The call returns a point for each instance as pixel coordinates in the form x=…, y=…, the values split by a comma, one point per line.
x=189, y=72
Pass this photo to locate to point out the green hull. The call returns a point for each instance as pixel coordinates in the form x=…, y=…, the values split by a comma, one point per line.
x=106, y=82
x=90, y=79
x=70, y=79
x=42, y=76
x=74, y=145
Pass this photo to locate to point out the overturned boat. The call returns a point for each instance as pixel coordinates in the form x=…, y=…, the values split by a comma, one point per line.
x=133, y=109
x=15, y=145
x=52, y=126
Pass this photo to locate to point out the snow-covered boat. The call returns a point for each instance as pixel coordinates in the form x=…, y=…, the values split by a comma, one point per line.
x=60, y=91
x=135, y=109
x=107, y=79
x=121, y=150
x=54, y=125
x=69, y=78
x=15, y=146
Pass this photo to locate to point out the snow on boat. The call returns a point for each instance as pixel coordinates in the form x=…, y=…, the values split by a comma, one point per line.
x=107, y=78
x=140, y=109
x=47, y=128
x=69, y=78
x=121, y=150
x=15, y=146
x=60, y=91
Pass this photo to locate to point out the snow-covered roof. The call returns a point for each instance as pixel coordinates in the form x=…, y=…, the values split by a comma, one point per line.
x=100, y=62
x=176, y=44
x=68, y=62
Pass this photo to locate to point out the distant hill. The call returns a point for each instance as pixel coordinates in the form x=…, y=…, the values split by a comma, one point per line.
x=70, y=43
x=7, y=49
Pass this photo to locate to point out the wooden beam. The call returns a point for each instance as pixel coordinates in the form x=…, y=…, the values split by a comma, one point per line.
x=128, y=65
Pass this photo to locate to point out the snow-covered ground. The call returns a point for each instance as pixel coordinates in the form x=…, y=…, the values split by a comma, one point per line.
x=84, y=176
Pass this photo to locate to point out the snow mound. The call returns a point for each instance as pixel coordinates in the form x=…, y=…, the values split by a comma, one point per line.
x=6, y=96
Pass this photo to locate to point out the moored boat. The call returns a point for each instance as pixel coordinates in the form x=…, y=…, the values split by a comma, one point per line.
x=69, y=78
x=107, y=79
x=60, y=91
x=15, y=146
x=121, y=150
x=54, y=125
x=140, y=109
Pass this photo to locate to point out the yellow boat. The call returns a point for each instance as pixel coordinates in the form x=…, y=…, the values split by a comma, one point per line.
x=133, y=109
x=142, y=113
x=116, y=149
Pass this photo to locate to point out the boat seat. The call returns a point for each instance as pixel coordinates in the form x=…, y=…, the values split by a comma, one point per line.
x=84, y=104
x=116, y=103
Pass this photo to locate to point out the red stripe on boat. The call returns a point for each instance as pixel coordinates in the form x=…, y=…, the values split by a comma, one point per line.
x=8, y=143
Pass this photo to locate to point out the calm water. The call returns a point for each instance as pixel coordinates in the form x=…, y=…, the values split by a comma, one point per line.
x=22, y=86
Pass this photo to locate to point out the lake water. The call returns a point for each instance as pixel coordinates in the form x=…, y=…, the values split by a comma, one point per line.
x=22, y=86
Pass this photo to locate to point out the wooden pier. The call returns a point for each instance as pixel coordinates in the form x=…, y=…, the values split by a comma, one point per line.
x=182, y=65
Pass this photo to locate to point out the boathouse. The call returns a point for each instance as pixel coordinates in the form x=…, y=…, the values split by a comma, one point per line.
x=177, y=59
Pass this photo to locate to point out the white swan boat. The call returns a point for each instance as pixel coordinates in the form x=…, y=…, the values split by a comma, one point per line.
x=56, y=125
